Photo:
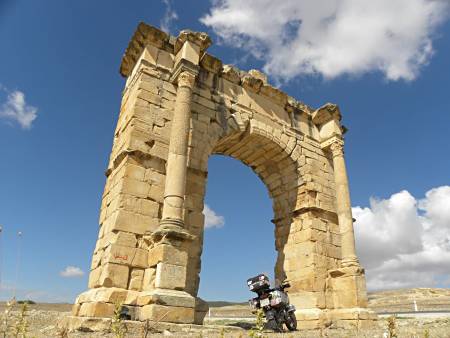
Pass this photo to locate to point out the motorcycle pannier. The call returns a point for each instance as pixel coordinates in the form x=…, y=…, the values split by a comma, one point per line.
x=278, y=298
x=259, y=282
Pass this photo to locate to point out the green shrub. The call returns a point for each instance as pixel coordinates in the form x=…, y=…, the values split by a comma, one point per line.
x=257, y=330
x=392, y=327
x=118, y=327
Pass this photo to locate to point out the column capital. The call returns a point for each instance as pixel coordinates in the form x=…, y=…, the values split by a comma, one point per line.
x=184, y=74
x=335, y=145
x=337, y=148
x=186, y=79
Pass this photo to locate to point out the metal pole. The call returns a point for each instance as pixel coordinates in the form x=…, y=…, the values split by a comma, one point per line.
x=1, y=255
x=18, y=261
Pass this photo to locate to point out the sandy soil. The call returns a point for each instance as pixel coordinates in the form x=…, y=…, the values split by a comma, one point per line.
x=47, y=320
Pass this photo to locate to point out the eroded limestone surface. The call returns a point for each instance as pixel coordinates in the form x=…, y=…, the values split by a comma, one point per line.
x=180, y=105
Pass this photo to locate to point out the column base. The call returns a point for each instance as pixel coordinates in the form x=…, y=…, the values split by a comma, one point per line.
x=353, y=318
x=310, y=319
x=346, y=288
x=167, y=306
x=86, y=324
x=346, y=299
x=201, y=308
x=171, y=229
x=159, y=305
x=100, y=302
x=350, y=318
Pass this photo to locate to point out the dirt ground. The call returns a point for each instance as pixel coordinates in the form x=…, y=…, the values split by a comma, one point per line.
x=50, y=323
x=47, y=320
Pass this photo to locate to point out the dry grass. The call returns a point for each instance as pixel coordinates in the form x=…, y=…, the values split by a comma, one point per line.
x=43, y=320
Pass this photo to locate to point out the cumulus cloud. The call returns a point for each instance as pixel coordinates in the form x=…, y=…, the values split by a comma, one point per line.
x=71, y=271
x=16, y=109
x=169, y=16
x=404, y=242
x=332, y=37
x=212, y=220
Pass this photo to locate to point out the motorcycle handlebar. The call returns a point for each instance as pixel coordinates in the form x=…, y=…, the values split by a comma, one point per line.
x=285, y=285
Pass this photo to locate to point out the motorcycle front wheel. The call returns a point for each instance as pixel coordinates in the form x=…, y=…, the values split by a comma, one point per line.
x=273, y=325
x=291, y=322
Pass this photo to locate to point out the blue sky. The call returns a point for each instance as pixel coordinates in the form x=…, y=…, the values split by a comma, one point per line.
x=60, y=91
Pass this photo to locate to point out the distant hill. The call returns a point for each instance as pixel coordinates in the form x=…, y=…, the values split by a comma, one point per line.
x=389, y=301
x=402, y=300
x=220, y=303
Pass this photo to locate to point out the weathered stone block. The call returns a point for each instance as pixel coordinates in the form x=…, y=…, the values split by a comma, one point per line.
x=140, y=258
x=114, y=275
x=310, y=283
x=150, y=54
x=123, y=238
x=133, y=171
x=136, y=279
x=173, y=314
x=165, y=59
x=131, y=222
x=131, y=298
x=134, y=187
x=102, y=294
x=167, y=254
x=308, y=299
x=166, y=297
x=76, y=309
x=309, y=314
x=96, y=309
x=148, y=282
x=156, y=193
x=94, y=277
x=96, y=259
x=118, y=254
x=169, y=276
x=201, y=308
x=139, y=205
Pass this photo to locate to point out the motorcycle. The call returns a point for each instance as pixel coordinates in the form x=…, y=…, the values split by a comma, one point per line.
x=274, y=303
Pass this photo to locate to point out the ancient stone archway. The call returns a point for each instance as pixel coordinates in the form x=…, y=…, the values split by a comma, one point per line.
x=180, y=105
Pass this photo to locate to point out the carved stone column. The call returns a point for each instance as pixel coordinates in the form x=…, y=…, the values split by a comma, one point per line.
x=172, y=214
x=170, y=244
x=343, y=204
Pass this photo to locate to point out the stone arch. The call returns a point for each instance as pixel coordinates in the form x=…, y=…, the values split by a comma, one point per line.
x=179, y=106
x=273, y=160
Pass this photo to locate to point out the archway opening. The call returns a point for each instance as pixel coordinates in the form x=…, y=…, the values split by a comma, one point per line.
x=239, y=235
x=258, y=226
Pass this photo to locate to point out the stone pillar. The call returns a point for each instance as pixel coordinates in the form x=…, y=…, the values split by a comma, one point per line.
x=168, y=253
x=343, y=205
x=345, y=287
x=172, y=214
x=188, y=49
x=170, y=244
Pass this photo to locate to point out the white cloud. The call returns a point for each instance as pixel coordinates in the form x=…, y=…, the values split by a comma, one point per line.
x=405, y=242
x=169, y=16
x=71, y=271
x=212, y=220
x=16, y=109
x=332, y=37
